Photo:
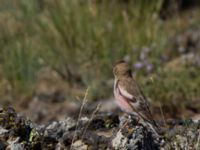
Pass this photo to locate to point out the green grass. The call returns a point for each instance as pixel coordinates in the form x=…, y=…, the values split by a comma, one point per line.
x=81, y=40
x=176, y=88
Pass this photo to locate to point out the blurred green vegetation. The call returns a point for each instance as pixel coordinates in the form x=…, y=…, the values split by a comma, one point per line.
x=82, y=39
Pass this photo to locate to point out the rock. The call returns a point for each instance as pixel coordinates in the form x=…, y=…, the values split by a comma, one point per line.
x=119, y=141
x=15, y=145
x=3, y=145
x=105, y=131
x=3, y=131
x=134, y=136
x=79, y=145
x=185, y=136
x=56, y=129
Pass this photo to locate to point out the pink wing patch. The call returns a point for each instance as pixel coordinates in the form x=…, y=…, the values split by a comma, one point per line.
x=124, y=93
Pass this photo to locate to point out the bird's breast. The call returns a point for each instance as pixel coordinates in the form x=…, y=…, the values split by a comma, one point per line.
x=122, y=102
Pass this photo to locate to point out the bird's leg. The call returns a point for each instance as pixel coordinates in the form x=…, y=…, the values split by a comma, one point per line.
x=123, y=125
x=123, y=122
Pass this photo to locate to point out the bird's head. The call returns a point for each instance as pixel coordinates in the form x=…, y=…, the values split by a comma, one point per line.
x=121, y=68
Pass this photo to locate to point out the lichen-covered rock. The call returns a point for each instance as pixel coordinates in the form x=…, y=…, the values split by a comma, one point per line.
x=14, y=144
x=16, y=131
x=185, y=136
x=134, y=136
x=105, y=131
x=119, y=141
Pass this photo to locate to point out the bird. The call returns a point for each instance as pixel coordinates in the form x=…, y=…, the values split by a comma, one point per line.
x=129, y=96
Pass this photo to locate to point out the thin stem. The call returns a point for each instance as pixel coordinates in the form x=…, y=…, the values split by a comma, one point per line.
x=79, y=116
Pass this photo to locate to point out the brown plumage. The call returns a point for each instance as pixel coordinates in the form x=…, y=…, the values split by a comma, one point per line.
x=128, y=94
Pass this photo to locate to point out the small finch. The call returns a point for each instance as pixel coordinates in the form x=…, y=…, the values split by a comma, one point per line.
x=128, y=94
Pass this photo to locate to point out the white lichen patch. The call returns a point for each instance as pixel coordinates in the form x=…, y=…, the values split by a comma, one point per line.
x=79, y=145
x=120, y=141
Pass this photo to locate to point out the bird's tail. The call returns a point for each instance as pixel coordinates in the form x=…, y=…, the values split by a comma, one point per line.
x=148, y=117
x=154, y=126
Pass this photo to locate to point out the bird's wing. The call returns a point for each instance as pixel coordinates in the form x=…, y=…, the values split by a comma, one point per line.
x=124, y=92
x=131, y=91
x=128, y=89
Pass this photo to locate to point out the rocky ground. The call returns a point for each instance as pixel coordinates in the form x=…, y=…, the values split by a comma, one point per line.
x=100, y=131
